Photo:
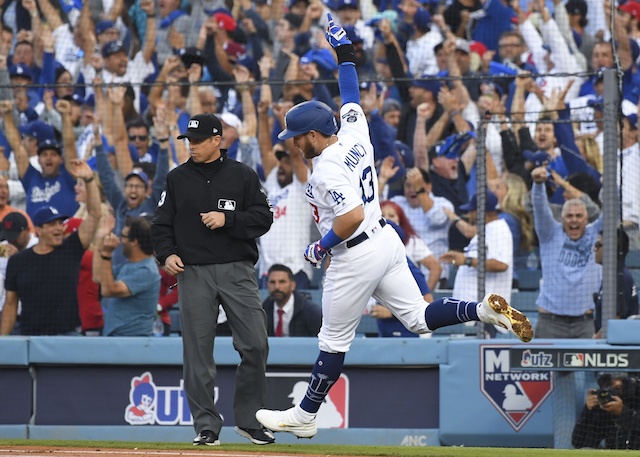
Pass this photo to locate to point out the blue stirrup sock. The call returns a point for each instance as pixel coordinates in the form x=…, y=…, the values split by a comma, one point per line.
x=326, y=372
x=449, y=311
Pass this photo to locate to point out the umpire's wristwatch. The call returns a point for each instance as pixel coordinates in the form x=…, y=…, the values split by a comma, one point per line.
x=468, y=261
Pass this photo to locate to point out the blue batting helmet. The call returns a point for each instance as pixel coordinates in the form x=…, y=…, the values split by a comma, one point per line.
x=307, y=116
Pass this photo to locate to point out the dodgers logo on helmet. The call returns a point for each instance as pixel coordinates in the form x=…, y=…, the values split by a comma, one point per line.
x=516, y=395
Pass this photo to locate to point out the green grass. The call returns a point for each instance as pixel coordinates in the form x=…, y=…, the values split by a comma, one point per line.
x=326, y=450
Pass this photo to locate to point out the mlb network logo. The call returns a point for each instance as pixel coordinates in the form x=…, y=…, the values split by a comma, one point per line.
x=515, y=394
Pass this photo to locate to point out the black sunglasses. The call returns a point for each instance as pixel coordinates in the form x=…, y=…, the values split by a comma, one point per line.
x=139, y=137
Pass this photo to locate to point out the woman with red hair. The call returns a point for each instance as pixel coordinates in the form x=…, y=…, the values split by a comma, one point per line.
x=417, y=250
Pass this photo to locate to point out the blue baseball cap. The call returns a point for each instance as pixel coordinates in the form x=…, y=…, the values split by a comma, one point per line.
x=451, y=146
x=140, y=175
x=46, y=214
x=422, y=18
x=113, y=47
x=38, y=130
x=103, y=26
x=491, y=203
x=20, y=70
x=342, y=4
x=431, y=85
x=633, y=120
x=596, y=103
x=323, y=57
x=538, y=158
x=366, y=85
x=49, y=143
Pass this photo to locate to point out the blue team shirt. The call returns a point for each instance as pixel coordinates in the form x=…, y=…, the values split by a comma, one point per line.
x=569, y=270
x=134, y=315
x=57, y=191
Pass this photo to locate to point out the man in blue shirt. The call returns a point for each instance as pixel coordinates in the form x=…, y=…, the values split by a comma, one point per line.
x=133, y=287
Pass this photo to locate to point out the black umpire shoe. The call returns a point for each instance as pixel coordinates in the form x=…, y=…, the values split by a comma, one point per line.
x=206, y=437
x=256, y=435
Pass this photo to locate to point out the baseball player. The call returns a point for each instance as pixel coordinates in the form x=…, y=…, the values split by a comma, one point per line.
x=367, y=256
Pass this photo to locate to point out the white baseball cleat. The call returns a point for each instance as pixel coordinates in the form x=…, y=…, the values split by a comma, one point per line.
x=495, y=310
x=285, y=421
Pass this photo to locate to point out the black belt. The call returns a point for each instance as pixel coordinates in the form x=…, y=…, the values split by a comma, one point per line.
x=363, y=236
x=561, y=317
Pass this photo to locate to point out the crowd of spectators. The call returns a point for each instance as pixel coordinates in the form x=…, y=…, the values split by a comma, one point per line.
x=112, y=84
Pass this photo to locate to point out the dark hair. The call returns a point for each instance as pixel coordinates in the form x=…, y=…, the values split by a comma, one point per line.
x=59, y=71
x=586, y=183
x=140, y=231
x=137, y=122
x=29, y=43
x=283, y=268
x=512, y=33
x=622, y=243
x=148, y=167
x=294, y=20
x=425, y=176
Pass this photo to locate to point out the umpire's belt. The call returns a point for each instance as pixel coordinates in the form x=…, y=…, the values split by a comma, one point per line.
x=363, y=236
x=564, y=318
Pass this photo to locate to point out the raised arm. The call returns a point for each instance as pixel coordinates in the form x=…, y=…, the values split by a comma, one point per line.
x=87, y=230
x=347, y=76
x=194, y=74
x=119, y=139
x=149, y=47
x=50, y=13
x=13, y=137
x=68, y=136
x=264, y=125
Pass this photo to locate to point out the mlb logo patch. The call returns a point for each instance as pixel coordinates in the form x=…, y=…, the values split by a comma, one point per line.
x=226, y=205
x=516, y=395
x=193, y=124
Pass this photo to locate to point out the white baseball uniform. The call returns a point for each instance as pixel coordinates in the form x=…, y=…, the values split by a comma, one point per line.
x=344, y=177
x=290, y=232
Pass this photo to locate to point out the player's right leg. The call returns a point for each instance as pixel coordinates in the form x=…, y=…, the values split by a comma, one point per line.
x=495, y=310
x=400, y=293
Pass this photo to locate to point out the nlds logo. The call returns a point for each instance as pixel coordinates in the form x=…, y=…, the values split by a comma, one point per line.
x=518, y=394
x=595, y=360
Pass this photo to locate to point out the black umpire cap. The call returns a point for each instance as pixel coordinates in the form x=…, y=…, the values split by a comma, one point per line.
x=202, y=126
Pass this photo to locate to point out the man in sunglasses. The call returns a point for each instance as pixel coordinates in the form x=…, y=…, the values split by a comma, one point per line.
x=140, y=148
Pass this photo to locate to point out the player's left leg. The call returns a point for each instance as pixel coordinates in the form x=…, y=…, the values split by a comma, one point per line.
x=350, y=280
x=400, y=293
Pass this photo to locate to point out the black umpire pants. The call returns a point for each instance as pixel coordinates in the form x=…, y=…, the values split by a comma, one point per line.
x=202, y=289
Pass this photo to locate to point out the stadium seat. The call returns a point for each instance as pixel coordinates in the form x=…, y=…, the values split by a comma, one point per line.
x=529, y=279
x=633, y=259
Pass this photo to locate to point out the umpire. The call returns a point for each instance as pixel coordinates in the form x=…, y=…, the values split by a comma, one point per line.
x=204, y=232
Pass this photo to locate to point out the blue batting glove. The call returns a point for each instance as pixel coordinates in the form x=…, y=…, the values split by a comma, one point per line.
x=336, y=36
x=314, y=254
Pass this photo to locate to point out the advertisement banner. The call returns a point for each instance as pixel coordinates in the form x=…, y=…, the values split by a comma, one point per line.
x=575, y=359
x=120, y=395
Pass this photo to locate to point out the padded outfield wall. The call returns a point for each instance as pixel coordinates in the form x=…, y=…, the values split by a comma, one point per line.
x=393, y=391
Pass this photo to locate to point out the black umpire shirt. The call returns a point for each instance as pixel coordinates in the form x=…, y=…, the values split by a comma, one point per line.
x=223, y=185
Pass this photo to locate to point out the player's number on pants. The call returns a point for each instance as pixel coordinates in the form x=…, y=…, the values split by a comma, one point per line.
x=366, y=185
